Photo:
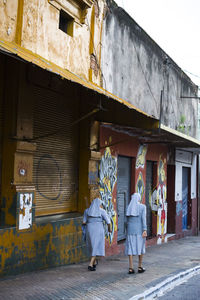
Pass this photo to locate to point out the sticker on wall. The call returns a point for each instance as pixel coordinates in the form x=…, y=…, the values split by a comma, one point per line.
x=141, y=157
x=140, y=185
x=107, y=180
x=25, y=210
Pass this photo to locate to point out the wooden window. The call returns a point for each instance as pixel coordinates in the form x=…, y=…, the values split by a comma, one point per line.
x=66, y=23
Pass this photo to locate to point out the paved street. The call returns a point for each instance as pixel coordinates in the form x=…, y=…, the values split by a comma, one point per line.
x=189, y=290
x=110, y=281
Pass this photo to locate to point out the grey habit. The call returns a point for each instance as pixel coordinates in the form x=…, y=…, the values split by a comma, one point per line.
x=136, y=224
x=95, y=236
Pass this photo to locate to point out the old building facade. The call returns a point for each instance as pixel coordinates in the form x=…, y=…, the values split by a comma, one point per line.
x=139, y=71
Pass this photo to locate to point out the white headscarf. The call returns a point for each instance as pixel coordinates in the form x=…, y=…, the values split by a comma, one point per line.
x=133, y=207
x=94, y=209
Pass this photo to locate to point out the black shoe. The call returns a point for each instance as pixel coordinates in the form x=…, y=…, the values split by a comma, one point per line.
x=141, y=270
x=91, y=268
x=131, y=271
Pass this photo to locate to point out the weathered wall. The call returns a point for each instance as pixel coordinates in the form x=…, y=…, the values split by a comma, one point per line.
x=45, y=245
x=135, y=68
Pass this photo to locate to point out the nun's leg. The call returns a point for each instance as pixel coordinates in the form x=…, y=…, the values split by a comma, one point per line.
x=92, y=260
x=130, y=261
x=140, y=260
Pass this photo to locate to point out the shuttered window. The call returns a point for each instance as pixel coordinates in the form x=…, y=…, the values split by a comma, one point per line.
x=56, y=158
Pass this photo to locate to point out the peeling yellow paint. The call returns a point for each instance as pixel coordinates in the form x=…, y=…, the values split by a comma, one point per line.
x=49, y=239
x=18, y=35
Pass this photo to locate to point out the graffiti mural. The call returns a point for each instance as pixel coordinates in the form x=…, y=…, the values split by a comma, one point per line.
x=153, y=200
x=107, y=180
x=140, y=185
x=141, y=156
x=161, y=198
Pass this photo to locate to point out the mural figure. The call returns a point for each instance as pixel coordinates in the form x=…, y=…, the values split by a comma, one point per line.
x=107, y=180
x=153, y=200
x=140, y=185
x=141, y=156
x=161, y=196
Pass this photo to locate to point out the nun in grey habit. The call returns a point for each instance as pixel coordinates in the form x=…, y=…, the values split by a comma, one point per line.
x=136, y=231
x=95, y=238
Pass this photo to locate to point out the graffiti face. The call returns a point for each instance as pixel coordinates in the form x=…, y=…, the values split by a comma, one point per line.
x=141, y=156
x=107, y=180
x=140, y=185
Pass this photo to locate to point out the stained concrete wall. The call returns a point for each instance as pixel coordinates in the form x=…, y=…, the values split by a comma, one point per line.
x=136, y=69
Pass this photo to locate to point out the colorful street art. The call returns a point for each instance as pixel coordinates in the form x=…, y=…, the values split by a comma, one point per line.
x=140, y=185
x=141, y=156
x=107, y=180
x=157, y=199
x=153, y=200
x=140, y=163
x=161, y=196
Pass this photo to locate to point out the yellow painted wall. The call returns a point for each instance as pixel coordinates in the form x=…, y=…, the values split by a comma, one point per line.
x=8, y=19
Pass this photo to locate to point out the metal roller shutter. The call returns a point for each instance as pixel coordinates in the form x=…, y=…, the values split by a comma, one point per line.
x=123, y=193
x=56, y=159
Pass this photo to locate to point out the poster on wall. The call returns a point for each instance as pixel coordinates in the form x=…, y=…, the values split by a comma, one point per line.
x=25, y=210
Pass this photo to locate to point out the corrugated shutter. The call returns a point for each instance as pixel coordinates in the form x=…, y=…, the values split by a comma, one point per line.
x=56, y=159
x=123, y=193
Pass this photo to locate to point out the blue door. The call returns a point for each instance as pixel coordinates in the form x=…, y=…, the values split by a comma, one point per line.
x=185, y=172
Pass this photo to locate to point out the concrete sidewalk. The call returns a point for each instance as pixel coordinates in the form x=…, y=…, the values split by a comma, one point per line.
x=110, y=281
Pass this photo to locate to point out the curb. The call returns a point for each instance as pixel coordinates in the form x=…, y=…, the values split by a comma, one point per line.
x=167, y=284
